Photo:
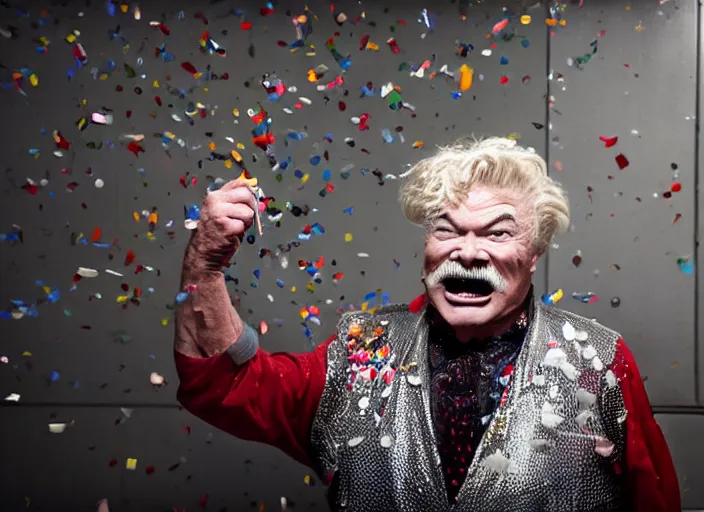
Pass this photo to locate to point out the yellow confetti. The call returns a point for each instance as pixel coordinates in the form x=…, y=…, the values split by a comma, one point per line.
x=34, y=79
x=211, y=146
x=240, y=145
x=466, y=76
x=84, y=102
x=26, y=354
x=122, y=299
x=150, y=236
x=525, y=19
x=155, y=84
x=307, y=479
x=513, y=136
x=82, y=123
x=310, y=287
x=563, y=23
x=136, y=216
x=418, y=144
x=164, y=321
x=228, y=163
x=236, y=112
x=103, y=76
x=293, y=289
x=124, y=8
x=312, y=77
x=71, y=38
x=131, y=464
x=44, y=41
x=305, y=178
x=372, y=46
x=348, y=237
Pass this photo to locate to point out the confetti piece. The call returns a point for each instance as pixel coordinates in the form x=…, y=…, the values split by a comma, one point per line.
x=622, y=161
x=131, y=464
x=608, y=141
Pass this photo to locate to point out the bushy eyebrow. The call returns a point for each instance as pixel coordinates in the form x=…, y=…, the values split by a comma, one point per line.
x=500, y=218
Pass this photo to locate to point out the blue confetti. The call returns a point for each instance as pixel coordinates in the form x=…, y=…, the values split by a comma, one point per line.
x=504, y=61
x=349, y=210
x=315, y=160
x=326, y=175
x=525, y=43
x=257, y=273
x=182, y=297
x=279, y=283
x=54, y=376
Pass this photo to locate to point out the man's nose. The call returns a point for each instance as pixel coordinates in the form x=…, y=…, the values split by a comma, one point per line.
x=470, y=250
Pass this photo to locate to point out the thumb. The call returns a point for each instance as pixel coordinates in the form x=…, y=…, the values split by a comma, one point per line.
x=103, y=505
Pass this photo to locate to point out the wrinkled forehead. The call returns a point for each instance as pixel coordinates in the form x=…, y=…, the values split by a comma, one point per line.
x=483, y=207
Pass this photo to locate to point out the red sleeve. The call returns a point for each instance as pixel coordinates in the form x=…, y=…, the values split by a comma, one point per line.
x=651, y=478
x=271, y=399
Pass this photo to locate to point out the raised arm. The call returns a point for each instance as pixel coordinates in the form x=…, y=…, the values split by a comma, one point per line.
x=225, y=378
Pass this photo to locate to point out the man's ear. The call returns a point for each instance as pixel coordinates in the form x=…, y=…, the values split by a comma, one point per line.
x=534, y=261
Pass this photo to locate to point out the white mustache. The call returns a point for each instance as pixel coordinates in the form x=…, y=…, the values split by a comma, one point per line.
x=454, y=270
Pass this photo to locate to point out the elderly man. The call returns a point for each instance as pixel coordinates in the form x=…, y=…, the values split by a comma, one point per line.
x=474, y=397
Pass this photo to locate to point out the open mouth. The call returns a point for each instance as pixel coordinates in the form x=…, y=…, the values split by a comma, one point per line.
x=468, y=288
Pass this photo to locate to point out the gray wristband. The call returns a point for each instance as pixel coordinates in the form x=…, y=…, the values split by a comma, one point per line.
x=245, y=347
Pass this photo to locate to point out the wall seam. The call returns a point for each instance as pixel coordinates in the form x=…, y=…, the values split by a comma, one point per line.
x=697, y=397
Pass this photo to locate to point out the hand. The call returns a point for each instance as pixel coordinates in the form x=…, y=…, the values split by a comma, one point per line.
x=225, y=217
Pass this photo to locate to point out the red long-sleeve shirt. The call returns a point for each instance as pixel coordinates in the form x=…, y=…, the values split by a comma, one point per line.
x=273, y=398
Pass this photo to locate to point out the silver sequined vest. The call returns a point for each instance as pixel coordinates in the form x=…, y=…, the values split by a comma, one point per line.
x=552, y=446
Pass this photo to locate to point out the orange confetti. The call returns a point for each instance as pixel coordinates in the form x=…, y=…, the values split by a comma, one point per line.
x=97, y=233
x=129, y=257
x=263, y=327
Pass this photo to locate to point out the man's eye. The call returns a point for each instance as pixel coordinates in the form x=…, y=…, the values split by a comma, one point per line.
x=500, y=234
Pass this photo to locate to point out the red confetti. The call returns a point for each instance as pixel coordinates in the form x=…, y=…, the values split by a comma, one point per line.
x=678, y=216
x=200, y=16
x=245, y=25
x=187, y=430
x=189, y=67
x=266, y=11
x=363, y=41
x=149, y=470
x=499, y=26
x=504, y=80
x=97, y=233
x=203, y=500
x=342, y=106
x=164, y=29
x=128, y=114
x=363, y=122
x=608, y=141
x=135, y=148
x=158, y=100
x=31, y=188
x=622, y=161
x=282, y=43
x=112, y=463
x=676, y=187
x=129, y=257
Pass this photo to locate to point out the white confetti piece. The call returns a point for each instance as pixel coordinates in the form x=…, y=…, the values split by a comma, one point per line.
x=12, y=397
x=57, y=428
x=589, y=352
x=305, y=100
x=498, y=462
x=363, y=254
x=386, y=441
x=99, y=183
x=87, y=272
x=568, y=331
x=156, y=379
x=585, y=398
x=610, y=378
x=108, y=271
x=548, y=417
x=555, y=357
x=288, y=110
x=414, y=380
x=604, y=447
x=486, y=53
x=355, y=441
x=363, y=402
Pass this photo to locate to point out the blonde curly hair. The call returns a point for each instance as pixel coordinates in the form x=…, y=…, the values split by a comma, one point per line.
x=446, y=178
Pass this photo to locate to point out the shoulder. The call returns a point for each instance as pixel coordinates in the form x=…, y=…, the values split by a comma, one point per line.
x=584, y=337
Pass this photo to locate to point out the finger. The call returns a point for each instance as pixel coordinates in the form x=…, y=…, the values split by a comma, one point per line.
x=239, y=211
x=240, y=195
x=233, y=184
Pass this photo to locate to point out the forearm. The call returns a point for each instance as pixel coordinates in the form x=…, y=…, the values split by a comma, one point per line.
x=207, y=323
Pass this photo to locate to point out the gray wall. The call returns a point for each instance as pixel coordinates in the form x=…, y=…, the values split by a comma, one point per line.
x=641, y=86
